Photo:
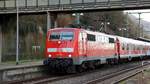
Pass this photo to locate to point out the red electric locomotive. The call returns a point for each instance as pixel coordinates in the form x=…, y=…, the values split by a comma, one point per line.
x=72, y=48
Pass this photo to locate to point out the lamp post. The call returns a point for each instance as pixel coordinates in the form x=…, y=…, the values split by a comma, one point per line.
x=104, y=24
x=17, y=34
x=77, y=15
x=122, y=31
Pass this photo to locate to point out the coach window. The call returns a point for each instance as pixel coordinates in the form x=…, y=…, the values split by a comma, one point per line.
x=91, y=37
x=111, y=40
x=134, y=47
x=127, y=46
x=105, y=39
x=141, y=48
x=123, y=47
x=99, y=38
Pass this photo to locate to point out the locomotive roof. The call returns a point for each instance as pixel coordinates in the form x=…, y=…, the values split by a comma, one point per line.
x=100, y=33
x=64, y=29
x=122, y=39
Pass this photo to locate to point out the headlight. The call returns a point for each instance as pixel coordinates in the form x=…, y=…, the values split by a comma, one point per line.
x=59, y=42
x=69, y=55
x=49, y=55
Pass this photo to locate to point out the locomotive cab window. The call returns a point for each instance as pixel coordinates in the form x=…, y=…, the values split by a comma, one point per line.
x=61, y=36
x=54, y=36
x=111, y=40
x=91, y=37
x=67, y=35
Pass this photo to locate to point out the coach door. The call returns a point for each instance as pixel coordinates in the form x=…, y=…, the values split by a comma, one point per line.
x=84, y=37
x=83, y=43
x=118, y=48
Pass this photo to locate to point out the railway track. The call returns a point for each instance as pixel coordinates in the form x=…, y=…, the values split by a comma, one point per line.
x=49, y=79
x=106, y=70
x=116, y=78
x=131, y=75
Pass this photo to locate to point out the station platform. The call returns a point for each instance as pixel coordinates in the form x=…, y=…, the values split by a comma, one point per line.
x=9, y=71
x=10, y=65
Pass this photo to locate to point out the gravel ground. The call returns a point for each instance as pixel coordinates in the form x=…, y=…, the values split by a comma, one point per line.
x=106, y=69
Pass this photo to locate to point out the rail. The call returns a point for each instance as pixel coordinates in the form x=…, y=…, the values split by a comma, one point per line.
x=56, y=78
x=133, y=74
x=132, y=71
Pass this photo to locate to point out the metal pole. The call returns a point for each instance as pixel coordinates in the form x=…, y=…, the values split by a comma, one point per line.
x=17, y=41
x=122, y=32
x=48, y=2
x=55, y=21
x=26, y=4
x=48, y=21
x=142, y=31
x=70, y=2
x=139, y=25
x=15, y=4
x=105, y=25
x=0, y=44
x=4, y=4
x=37, y=3
x=78, y=18
x=127, y=33
x=95, y=3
